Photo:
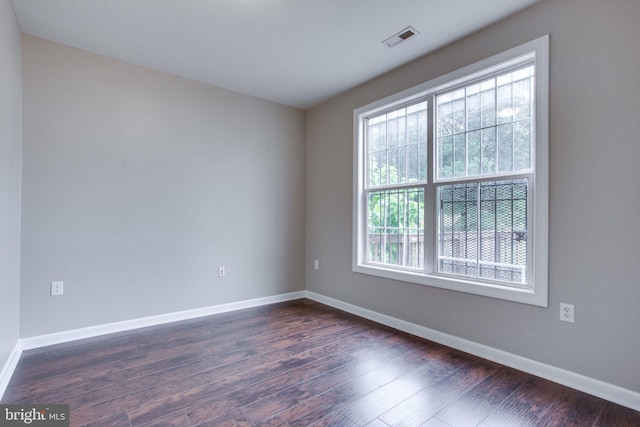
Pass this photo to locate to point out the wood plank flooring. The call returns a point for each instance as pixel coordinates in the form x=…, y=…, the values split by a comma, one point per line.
x=298, y=363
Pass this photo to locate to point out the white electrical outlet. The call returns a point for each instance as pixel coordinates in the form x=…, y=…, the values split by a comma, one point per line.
x=221, y=272
x=567, y=312
x=57, y=288
x=316, y=264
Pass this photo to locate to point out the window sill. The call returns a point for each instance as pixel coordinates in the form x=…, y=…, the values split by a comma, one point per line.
x=525, y=296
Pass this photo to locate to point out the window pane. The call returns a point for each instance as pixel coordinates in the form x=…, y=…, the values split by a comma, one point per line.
x=402, y=129
x=402, y=165
x=522, y=97
x=473, y=112
x=413, y=174
x=459, y=115
x=488, y=108
x=393, y=160
x=378, y=168
x=488, y=148
x=459, y=155
x=422, y=162
x=397, y=146
x=422, y=124
x=392, y=130
x=522, y=144
x=445, y=118
x=505, y=148
x=377, y=135
x=396, y=227
x=505, y=104
x=473, y=141
x=482, y=230
x=446, y=156
x=412, y=125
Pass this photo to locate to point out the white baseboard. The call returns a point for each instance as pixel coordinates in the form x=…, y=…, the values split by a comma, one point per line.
x=38, y=341
x=126, y=325
x=613, y=393
x=9, y=367
x=580, y=382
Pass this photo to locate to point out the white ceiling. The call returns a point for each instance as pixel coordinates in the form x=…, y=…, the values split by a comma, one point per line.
x=295, y=52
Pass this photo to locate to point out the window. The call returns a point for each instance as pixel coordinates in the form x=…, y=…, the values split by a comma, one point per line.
x=451, y=180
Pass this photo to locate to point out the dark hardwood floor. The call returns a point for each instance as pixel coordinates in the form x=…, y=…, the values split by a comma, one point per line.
x=298, y=363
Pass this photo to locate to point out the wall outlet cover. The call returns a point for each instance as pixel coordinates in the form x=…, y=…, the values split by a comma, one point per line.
x=57, y=288
x=567, y=312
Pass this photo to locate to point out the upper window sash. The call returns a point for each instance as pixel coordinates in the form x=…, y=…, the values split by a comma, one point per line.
x=486, y=127
x=395, y=146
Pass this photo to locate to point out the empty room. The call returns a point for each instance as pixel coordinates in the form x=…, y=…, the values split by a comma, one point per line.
x=319, y=213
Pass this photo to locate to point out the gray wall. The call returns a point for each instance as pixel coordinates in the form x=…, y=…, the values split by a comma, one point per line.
x=138, y=184
x=594, y=200
x=10, y=175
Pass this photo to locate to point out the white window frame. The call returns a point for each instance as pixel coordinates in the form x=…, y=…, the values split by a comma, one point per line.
x=536, y=291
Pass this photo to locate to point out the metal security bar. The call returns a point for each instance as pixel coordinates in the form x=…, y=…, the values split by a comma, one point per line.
x=483, y=230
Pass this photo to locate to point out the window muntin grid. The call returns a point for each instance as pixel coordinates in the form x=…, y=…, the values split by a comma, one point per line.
x=485, y=128
x=397, y=146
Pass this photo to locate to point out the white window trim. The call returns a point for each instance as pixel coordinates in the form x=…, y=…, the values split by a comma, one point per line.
x=537, y=293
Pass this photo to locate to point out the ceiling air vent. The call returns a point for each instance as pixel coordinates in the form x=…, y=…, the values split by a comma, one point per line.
x=403, y=35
